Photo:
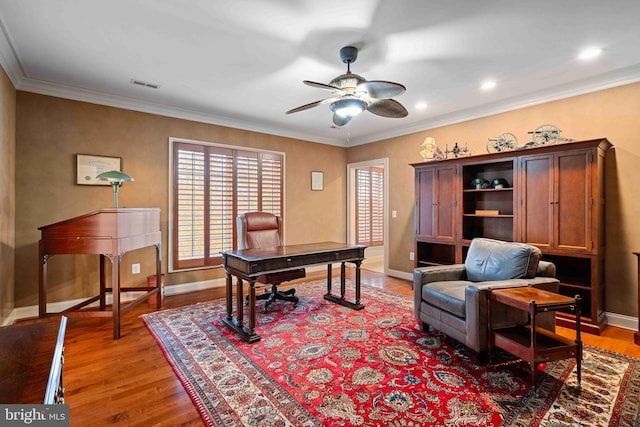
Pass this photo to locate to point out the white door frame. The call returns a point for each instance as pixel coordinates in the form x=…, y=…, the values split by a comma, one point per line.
x=351, y=202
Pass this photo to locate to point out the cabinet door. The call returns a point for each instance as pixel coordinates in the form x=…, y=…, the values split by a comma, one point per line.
x=435, y=202
x=556, y=200
x=537, y=187
x=573, y=201
x=445, y=203
x=425, y=202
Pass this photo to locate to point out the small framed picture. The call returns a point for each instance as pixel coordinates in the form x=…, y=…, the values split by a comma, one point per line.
x=317, y=181
x=89, y=166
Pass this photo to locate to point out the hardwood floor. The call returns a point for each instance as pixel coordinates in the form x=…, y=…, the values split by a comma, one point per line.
x=128, y=382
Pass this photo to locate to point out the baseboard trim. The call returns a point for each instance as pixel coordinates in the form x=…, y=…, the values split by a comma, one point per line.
x=195, y=286
x=10, y=319
x=400, y=274
x=613, y=319
x=32, y=311
x=622, y=321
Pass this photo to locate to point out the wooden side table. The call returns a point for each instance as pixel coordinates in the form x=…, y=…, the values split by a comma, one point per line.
x=531, y=343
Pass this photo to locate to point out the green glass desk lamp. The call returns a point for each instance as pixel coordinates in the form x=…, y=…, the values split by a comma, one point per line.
x=115, y=178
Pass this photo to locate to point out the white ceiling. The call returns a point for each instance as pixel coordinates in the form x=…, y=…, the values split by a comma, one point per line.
x=241, y=63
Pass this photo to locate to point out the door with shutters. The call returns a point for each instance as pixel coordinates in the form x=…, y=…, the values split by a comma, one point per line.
x=369, y=198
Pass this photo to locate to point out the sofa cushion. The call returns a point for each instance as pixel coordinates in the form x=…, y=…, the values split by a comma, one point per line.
x=448, y=296
x=490, y=259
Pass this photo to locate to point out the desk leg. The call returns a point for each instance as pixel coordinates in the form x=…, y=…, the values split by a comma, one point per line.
x=229, y=297
x=358, y=264
x=356, y=305
x=329, y=279
x=115, y=291
x=42, y=300
x=103, y=285
x=159, y=283
x=239, y=304
x=252, y=307
x=248, y=334
x=343, y=280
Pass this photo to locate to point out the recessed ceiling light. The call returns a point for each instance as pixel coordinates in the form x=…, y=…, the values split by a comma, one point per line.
x=589, y=53
x=421, y=106
x=488, y=85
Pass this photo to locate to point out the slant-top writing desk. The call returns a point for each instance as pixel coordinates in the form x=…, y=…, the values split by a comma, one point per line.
x=109, y=233
x=248, y=264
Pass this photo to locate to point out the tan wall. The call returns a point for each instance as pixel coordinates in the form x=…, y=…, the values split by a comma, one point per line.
x=51, y=131
x=612, y=113
x=7, y=193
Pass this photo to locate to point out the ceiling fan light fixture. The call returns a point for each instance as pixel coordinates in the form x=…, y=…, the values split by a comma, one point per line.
x=348, y=107
x=352, y=94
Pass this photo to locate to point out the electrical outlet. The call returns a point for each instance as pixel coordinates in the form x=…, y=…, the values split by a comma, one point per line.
x=394, y=214
x=411, y=256
x=135, y=268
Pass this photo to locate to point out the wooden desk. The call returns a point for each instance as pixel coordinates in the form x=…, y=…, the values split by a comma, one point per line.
x=531, y=343
x=25, y=360
x=248, y=264
x=110, y=233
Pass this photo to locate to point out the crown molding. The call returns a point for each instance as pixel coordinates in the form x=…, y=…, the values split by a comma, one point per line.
x=603, y=81
x=8, y=58
x=11, y=64
x=101, y=98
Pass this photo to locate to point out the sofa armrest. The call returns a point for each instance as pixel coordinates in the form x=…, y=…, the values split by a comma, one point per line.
x=437, y=273
x=476, y=321
x=546, y=269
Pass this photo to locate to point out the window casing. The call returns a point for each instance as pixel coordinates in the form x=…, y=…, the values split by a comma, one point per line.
x=211, y=186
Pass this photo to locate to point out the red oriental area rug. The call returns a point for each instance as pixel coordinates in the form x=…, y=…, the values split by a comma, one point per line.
x=322, y=364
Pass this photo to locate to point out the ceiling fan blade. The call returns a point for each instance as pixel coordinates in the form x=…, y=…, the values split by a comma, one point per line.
x=340, y=120
x=310, y=105
x=388, y=108
x=324, y=86
x=380, y=89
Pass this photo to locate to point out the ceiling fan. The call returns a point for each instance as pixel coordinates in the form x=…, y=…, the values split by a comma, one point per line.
x=353, y=94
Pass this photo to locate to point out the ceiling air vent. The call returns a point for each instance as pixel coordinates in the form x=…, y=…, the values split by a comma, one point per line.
x=144, y=84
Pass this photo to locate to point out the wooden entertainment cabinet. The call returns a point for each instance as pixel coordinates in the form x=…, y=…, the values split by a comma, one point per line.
x=554, y=200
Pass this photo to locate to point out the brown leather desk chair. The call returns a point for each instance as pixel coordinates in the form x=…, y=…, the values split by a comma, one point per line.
x=264, y=230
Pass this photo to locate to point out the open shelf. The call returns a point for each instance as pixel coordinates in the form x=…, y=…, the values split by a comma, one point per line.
x=493, y=227
x=429, y=254
x=488, y=212
x=489, y=171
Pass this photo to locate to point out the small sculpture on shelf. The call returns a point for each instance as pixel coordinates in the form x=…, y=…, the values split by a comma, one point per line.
x=499, y=183
x=480, y=183
x=430, y=150
x=457, y=151
x=545, y=135
x=504, y=142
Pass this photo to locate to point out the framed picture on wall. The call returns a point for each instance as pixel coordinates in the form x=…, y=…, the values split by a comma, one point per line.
x=89, y=166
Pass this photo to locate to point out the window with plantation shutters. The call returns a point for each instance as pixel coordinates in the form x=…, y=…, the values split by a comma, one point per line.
x=370, y=206
x=212, y=185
